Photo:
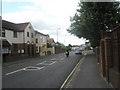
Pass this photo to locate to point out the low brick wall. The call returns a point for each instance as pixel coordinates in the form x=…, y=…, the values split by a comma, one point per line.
x=9, y=58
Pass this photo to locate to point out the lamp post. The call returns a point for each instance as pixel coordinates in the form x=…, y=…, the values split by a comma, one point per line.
x=57, y=33
x=64, y=39
x=1, y=45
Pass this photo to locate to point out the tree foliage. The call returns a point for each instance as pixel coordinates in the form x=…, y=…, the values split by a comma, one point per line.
x=92, y=18
x=49, y=45
x=69, y=47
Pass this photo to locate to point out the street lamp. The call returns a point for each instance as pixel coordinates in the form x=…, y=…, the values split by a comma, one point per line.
x=64, y=39
x=1, y=45
x=57, y=33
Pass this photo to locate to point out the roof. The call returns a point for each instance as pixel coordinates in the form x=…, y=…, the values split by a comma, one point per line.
x=51, y=40
x=22, y=26
x=5, y=43
x=9, y=25
x=13, y=26
x=40, y=33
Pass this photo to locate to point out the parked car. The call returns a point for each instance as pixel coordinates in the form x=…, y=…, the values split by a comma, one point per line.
x=78, y=52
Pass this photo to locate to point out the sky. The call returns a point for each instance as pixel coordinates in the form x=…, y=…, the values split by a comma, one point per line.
x=46, y=16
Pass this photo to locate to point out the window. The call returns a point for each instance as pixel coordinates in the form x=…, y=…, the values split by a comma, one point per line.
x=27, y=34
x=36, y=40
x=14, y=34
x=32, y=35
x=3, y=33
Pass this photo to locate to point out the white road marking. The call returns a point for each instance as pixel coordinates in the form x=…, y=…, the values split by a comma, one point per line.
x=49, y=63
x=23, y=69
x=37, y=68
x=52, y=63
x=45, y=63
x=61, y=58
x=15, y=71
x=41, y=63
x=53, y=58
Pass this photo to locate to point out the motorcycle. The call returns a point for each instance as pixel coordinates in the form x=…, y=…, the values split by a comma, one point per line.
x=67, y=54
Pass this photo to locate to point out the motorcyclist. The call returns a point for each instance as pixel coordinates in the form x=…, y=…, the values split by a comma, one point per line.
x=67, y=53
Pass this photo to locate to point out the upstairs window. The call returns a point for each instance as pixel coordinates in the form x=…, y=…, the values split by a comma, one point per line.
x=14, y=34
x=27, y=34
x=3, y=33
x=32, y=35
x=36, y=40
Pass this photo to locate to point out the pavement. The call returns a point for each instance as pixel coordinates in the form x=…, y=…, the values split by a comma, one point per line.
x=87, y=74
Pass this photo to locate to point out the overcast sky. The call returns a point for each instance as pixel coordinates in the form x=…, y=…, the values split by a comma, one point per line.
x=46, y=16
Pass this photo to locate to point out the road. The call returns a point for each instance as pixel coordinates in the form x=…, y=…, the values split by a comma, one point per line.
x=47, y=72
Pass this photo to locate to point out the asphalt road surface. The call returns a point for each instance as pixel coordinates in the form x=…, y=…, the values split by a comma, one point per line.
x=48, y=72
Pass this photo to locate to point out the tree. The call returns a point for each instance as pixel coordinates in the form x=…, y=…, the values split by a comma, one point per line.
x=92, y=18
x=49, y=45
x=69, y=45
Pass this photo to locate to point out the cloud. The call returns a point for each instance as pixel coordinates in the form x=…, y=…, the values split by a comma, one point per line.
x=17, y=0
x=37, y=18
x=46, y=16
x=29, y=8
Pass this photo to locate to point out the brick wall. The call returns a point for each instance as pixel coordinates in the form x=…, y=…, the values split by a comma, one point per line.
x=110, y=56
x=19, y=51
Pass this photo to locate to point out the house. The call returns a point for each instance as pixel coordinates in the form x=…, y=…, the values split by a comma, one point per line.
x=44, y=44
x=41, y=43
x=50, y=45
x=51, y=41
x=18, y=40
x=38, y=42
